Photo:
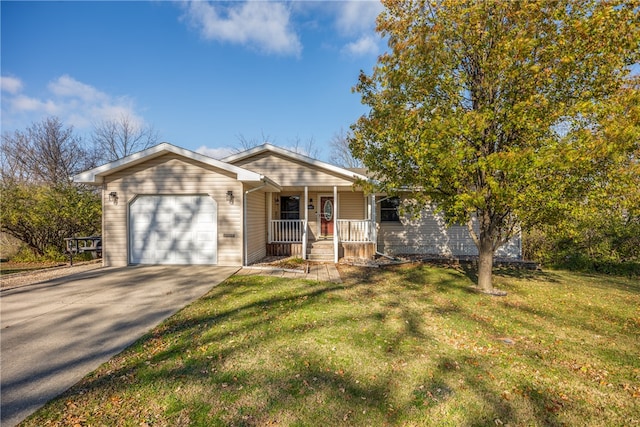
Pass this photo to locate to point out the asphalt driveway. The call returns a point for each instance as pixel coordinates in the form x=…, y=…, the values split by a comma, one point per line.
x=54, y=333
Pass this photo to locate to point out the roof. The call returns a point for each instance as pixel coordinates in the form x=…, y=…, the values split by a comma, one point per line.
x=297, y=156
x=96, y=175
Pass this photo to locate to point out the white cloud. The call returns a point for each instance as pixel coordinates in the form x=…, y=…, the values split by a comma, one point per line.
x=10, y=84
x=28, y=104
x=68, y=87
x=356, y=17
x=76, y=103
x=216, y=153
x=357, y=20
x=262, y=25
x=365, y=45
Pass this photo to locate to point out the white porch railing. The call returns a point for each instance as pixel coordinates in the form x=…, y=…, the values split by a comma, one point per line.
x=286, y=230
x=355, y=230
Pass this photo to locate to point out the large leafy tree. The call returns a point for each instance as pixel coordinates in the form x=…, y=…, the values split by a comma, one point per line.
x=502, y=114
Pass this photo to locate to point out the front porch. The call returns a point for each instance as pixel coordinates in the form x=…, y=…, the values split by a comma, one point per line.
x=355, y=239
x=318, y=223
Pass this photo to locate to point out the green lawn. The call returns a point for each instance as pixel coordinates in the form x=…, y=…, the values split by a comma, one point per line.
x=402, y=346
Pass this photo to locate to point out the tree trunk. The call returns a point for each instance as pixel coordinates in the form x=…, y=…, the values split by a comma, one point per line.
x=485, y=265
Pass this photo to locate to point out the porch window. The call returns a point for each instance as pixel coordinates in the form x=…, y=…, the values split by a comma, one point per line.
x=290, y=207
x=389, y=209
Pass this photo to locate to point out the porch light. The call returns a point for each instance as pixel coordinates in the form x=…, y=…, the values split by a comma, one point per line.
x=113, y=197
x=310, y=204
x=230, y=197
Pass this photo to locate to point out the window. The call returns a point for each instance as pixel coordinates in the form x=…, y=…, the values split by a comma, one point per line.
x=389, y=209
x=290, y=207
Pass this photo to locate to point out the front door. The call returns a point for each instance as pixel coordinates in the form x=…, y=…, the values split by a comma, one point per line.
x=327, y=212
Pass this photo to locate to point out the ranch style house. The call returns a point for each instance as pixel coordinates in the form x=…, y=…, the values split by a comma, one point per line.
x=169, y=205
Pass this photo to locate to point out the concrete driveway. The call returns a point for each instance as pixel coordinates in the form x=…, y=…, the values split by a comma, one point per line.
x=54, y=333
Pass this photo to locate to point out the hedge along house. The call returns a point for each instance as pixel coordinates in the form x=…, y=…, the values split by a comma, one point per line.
x=168, y=205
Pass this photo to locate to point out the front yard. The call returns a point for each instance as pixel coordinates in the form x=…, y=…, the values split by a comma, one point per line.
x=407, y=345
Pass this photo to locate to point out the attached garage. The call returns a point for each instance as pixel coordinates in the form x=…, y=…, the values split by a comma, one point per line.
x=168, y=205
x=169, y=229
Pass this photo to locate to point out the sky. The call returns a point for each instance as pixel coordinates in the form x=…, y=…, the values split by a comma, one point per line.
x=204, y=74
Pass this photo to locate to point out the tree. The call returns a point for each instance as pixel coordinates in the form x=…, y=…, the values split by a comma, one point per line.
x=296, y=145
x=245, y=143
x=40, y=204
x=117, y=138
x=340, y=154
x=307, y=148
x=42, y=215
x=46, y=152
x=500, y=113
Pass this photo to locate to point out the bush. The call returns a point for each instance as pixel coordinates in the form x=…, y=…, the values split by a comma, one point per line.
x=610, y=245
x=27, y=255
x=42, y=215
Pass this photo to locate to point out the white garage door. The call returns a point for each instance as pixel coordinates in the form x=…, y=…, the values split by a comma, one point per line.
x=173, y=230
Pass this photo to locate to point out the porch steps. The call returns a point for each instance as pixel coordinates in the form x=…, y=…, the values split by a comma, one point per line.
x=320, y=250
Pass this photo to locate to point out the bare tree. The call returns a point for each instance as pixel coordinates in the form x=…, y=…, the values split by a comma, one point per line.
x=46, y=153
x=245, y=144
x=296, y=144
x=307, y=148
x=341, y=153
x=117, y=138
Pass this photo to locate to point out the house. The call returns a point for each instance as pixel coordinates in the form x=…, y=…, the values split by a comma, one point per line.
x=169, y=205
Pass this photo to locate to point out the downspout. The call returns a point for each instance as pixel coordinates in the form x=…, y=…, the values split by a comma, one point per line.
x=244, y=222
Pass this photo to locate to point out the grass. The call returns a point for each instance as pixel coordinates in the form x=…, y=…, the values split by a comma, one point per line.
x=21, y=267
x=403, y=346
x=291, y=263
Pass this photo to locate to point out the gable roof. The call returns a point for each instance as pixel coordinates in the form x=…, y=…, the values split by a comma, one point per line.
x=96, y=175
x=296, y=156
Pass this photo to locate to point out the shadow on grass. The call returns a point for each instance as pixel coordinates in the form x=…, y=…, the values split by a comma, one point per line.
x=272, y=351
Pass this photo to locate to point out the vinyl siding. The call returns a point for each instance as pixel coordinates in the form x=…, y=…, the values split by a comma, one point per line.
x=291, y=173
x=171, y=174
x=256, y=227
x=429, y=234
x=351, y=205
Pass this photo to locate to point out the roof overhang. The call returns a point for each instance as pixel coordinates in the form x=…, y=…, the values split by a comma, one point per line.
x=96, y=175
x=296, y=156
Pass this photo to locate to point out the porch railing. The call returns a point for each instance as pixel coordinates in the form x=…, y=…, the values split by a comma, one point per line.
x=355, y=230
x=286, y=230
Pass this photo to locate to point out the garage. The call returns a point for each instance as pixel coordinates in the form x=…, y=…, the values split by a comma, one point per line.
x=171, y=229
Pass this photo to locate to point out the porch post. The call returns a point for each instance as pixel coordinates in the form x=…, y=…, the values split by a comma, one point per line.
x=335, y=224
x=306, y=221
x=269, y=216
x=374, y=231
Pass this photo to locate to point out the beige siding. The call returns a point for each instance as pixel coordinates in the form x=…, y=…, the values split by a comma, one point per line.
x=352, y=205
x=256, y=227
x=291, y=173
x=171, y=174
x=429, y=234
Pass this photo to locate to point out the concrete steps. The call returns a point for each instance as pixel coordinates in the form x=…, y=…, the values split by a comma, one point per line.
x=320, y=250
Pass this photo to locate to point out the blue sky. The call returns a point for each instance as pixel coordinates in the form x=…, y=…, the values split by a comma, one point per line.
x=201, y=73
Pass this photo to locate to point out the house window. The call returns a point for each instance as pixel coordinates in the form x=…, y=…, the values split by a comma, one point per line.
x=290, y=207
x=389, y=209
